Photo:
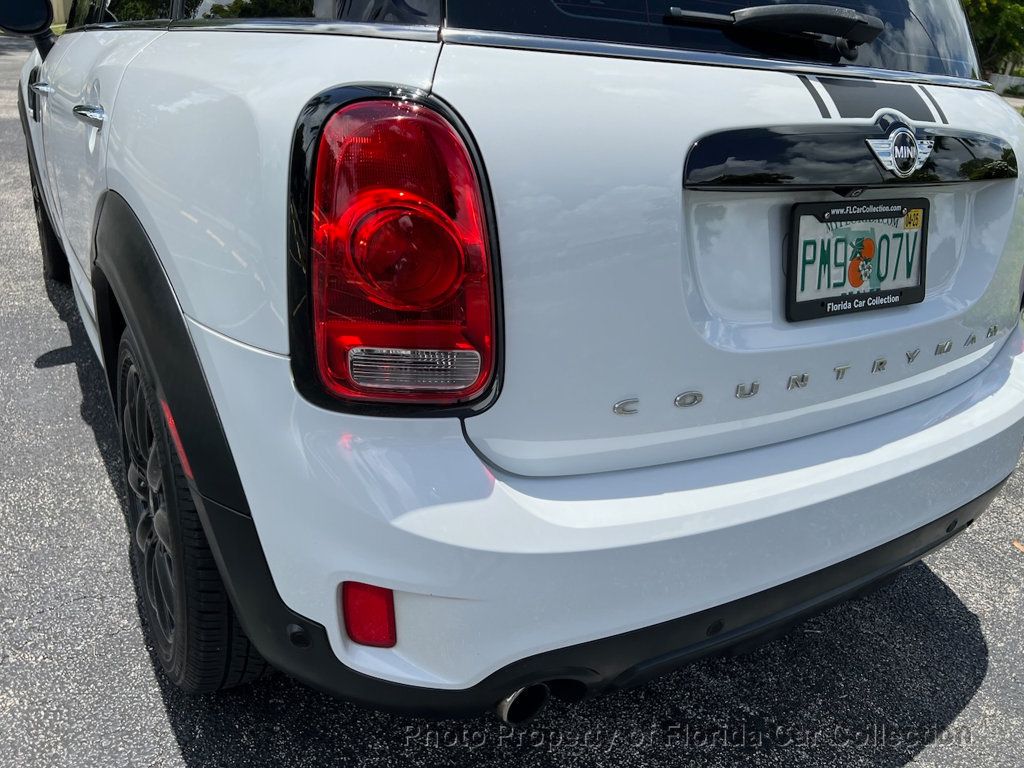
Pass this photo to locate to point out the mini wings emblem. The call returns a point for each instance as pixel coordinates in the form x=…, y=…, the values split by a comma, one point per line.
x=902, y=152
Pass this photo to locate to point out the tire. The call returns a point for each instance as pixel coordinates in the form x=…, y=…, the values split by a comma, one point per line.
x=189, y=620
x=55, y=261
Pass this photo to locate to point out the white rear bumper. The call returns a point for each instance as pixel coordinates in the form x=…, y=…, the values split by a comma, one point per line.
x=490, y=568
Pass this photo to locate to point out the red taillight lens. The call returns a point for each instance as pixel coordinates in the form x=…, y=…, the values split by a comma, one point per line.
x=369, y=614
x=403, y=304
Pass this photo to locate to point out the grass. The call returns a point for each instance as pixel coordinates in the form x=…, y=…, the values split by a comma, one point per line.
x=57, y=29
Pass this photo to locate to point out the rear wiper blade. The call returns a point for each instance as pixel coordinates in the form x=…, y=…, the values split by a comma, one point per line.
x=849, y=27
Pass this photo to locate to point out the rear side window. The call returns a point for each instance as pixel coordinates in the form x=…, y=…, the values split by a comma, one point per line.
x=78, y=16
x=928, y=36
x=381, y=11
x=138, y=10
x=85, y=12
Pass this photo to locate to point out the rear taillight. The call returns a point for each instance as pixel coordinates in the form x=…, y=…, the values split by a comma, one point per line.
x=403, y=303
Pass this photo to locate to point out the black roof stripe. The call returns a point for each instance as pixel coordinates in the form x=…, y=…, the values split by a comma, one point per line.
x=935, y=103
x=863, y=98
x=816, y=96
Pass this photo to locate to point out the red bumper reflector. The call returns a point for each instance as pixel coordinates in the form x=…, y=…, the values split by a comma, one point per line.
x=369, y=614
x=172, y=428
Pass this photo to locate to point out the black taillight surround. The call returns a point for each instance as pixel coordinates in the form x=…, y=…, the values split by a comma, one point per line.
x=301, y=176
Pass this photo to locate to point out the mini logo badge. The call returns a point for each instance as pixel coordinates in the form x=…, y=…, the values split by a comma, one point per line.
x=902, y=153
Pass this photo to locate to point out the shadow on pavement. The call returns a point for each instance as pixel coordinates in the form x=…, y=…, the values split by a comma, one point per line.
x=871, y=682
x=96, y=407
x=10, y=45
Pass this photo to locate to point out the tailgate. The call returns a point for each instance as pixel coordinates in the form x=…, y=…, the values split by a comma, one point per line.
x=645, y=216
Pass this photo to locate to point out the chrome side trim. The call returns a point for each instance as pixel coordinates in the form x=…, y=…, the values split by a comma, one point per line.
x=705, y=58
x=156, y=24
x=423, y=33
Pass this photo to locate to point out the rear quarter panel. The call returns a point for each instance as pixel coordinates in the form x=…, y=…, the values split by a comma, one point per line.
x=200, y=147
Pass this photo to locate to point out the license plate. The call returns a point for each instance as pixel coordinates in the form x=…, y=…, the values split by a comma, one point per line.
x=855, y=257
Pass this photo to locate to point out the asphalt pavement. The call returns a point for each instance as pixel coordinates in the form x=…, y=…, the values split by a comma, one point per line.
x=927, y=671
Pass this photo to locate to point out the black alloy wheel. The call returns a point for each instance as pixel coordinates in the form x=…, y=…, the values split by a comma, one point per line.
x=196, y=636
x=149, y=518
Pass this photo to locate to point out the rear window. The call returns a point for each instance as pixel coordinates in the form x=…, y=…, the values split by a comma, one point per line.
x=927, y=36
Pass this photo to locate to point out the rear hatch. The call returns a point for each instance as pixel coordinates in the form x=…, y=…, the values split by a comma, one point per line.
x=644, y=198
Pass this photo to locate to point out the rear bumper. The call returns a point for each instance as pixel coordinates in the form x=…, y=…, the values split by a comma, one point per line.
x=607, y=579
x=611, y=663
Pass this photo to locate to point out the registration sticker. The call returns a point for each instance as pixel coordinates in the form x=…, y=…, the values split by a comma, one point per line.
x=914, y=219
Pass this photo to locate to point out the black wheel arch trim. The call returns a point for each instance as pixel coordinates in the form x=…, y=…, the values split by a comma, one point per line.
x=301, y=176
x=127, y=270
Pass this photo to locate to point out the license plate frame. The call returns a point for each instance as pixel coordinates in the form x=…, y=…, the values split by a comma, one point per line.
x=854, y=301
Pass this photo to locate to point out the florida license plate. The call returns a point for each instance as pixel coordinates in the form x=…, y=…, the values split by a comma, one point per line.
x=856, y=257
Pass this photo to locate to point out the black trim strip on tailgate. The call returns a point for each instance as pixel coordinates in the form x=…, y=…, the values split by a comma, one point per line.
x=837, y=156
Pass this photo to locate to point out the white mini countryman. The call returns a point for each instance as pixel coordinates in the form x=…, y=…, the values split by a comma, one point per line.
x=469, y=352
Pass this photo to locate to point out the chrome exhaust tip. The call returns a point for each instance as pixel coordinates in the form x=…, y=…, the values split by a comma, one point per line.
x=523, y=704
